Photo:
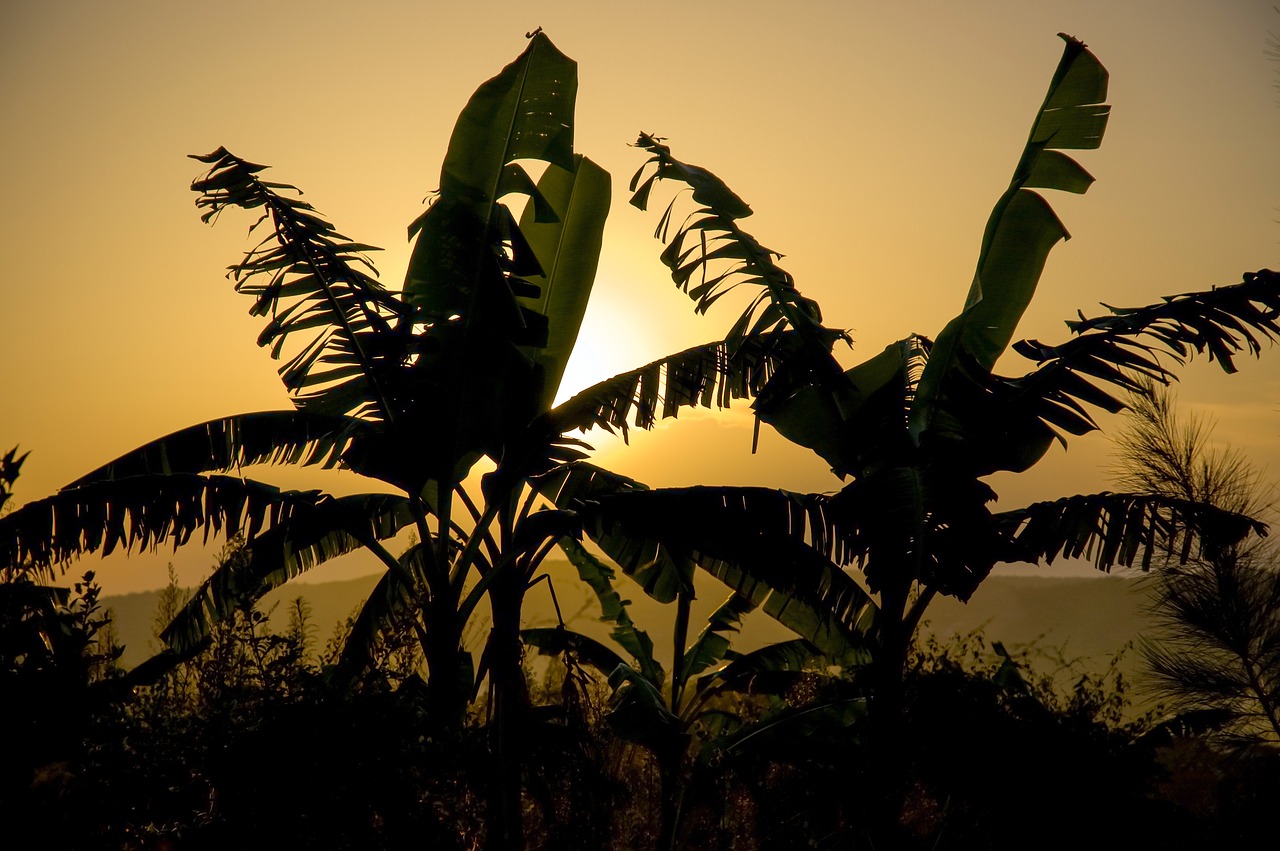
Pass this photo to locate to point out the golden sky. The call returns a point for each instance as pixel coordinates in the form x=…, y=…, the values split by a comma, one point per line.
x=870, y=138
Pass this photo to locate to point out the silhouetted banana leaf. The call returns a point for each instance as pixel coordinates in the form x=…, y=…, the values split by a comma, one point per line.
x=690, y=518
x=792, y=656
x=534, y=97
x=805, y=593
x=788, y=735
x=36, y=623
x=711, y=647
x=10, y=467
x=774, y=547
x=780, y=550
x=660, y=572
x=18, y=595
x=310, y=536
x=709, y=244
x=1022, y=228
x=1116, y=529
x=856, y=422
x=305, y=276
x=456, y=271
x=613, y=609
x=568, y=250
x=228, y=443
x=701, y=376
x=556, y=641
x=467, y=274
x=141, y=512
x=637, y=711
x=1009, y=423
x=397, y=597
x=1125, y=347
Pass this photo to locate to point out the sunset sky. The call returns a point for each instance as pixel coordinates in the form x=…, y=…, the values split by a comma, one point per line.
x=871, y=139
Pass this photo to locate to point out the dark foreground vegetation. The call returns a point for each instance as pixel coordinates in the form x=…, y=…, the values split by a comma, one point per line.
x=251, y=745
x=435, y=719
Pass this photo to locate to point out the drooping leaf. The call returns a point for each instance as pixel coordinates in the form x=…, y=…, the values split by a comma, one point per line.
x=710, y=255
x=307, y=277
x=794, y=655
x=1116, y=351
x=141, y=512
x=659, y=571
x=1119, y=529
x=702, y=376
x=557, y=641
x=777, y=549
x=309, y=537
x=1221, y=322
x=229, y=443
x=396, y=599
x=637, y=711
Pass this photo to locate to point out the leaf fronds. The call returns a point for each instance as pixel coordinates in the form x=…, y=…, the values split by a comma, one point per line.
x=305, y=276
x=701, y=376
x=141, y=512
x=1125, y=348
x=710, y=255
x=1119, y=529
x=229, y=443
x=310, y=536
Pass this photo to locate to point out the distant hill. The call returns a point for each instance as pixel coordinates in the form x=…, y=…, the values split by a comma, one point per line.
x=1086, y=619
x=331, y=602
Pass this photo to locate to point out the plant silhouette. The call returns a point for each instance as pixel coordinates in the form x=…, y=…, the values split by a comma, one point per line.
x=408, y=389
x=915, y=429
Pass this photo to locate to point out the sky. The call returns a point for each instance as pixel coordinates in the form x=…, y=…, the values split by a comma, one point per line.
x=871, y=139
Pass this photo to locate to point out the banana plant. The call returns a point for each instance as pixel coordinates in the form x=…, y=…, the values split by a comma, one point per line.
x=914, y=430
x=408, y=389
x=669, y=710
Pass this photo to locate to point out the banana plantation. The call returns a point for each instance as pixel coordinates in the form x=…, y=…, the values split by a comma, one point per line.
x=437, y=718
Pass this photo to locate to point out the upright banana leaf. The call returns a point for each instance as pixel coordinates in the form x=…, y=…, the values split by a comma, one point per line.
x=459, y=238
x=568, y=251
x=1019, y=234
x=711, y=648
x=500, y=302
